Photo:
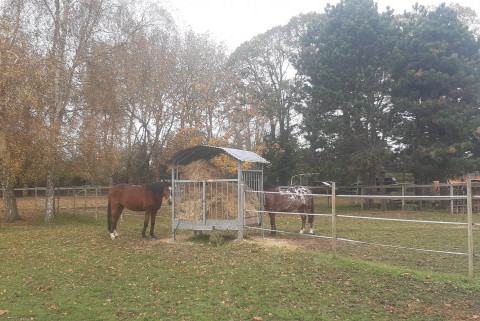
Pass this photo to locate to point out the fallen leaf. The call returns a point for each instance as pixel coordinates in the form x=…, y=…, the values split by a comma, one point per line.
x=2, y=312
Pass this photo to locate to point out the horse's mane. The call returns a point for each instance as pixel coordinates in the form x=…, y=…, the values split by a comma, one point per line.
x=157, y=187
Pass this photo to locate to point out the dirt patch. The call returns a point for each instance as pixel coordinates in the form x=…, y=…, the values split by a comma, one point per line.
x=272, y=243
x=294, y=243
x=289, y=242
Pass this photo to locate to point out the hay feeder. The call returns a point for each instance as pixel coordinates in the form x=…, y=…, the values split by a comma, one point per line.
x=203, y=201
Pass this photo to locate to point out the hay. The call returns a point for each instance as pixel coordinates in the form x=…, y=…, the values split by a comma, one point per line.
x=221, y=204
x=200, y=170
x=190, y=210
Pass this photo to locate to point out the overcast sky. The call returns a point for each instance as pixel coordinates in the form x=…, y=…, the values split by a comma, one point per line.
x=236, y=21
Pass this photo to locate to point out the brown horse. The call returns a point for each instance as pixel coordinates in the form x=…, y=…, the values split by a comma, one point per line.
x=146, y=198
x=289, y=199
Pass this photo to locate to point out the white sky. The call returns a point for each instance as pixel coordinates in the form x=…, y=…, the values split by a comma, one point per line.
x=236, y=21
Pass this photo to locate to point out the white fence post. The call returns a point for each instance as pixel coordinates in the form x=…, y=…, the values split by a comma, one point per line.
x=240, y=203
x=470, y=229
x=334, y=222
x=451, y=200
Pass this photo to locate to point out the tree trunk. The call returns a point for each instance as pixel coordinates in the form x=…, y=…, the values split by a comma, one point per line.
x=8, y=188
x=50, y=197
x=55, y=112
x=9, y=198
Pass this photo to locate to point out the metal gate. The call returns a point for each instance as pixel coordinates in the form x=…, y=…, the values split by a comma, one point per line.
x=253, y=197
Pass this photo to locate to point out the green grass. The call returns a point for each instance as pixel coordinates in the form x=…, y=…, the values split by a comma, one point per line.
x=71, y=270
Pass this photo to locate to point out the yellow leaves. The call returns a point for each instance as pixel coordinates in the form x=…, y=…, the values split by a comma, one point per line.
x=44, y=289
x=185, y=138
x=390, y=309
x=452, y=150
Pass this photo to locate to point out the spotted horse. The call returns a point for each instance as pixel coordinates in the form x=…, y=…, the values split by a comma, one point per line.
x=289, y=199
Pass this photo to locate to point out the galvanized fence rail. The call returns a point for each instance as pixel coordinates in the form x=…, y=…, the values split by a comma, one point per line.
x=469, y=198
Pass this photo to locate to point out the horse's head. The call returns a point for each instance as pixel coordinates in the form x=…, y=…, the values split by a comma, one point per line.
x=167, y=193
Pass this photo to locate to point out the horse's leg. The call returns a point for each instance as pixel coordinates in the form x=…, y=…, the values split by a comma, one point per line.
x=117, y=217
x=272, y=224
x=145, y=224
x=304, y=218
x=116, y=213
x=153, y=215
x=310, y=221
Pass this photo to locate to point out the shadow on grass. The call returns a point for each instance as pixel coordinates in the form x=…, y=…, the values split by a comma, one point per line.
x=216, y=238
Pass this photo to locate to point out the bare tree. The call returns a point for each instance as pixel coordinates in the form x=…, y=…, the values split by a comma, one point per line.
x=264, y=66
x=201, y=83
x=146, y=62
x=64, y=30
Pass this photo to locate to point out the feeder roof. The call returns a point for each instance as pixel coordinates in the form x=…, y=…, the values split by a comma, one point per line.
x=192, y=154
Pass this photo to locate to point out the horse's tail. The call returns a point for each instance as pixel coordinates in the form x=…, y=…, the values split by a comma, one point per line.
x=109, y=215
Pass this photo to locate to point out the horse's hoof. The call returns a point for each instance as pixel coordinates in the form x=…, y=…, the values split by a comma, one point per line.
x=153, y=237
x=115, y=233
x=301, y=231
x=311, y=231
x=112, y=236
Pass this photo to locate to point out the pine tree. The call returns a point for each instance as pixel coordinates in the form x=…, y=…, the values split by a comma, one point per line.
x=436, y=85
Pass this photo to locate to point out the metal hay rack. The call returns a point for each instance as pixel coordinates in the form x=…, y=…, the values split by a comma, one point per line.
x=216, y=204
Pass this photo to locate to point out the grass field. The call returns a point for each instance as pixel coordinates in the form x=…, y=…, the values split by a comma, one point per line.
x=71, y=270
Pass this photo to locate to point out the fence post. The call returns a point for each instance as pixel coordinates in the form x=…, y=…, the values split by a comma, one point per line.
x=451, y=199
x=362, y=200
x=240, y=203
x=35, y=199
x=328, y=198
x=96, y=203
x=470, y=229
x=204, y=203
x=403, y=197
x=58, y=199
x=334, y=222
x=74, y=200
x=172, y=195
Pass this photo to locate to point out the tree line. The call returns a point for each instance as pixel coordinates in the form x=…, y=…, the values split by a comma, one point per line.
x=106, y=91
